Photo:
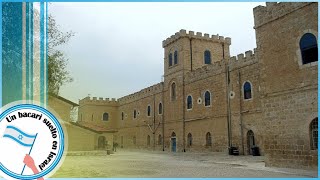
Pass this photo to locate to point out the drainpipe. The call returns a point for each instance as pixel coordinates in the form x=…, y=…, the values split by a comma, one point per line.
x=240, y=107
x=228, y=101
x=183, y=100
x=184, y=116
x=191, y=53
x=222, y=51
x=228, y=106
x=162, y=116
x=154, y=121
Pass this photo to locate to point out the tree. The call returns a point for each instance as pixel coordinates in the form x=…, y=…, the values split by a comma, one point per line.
x=58, y=74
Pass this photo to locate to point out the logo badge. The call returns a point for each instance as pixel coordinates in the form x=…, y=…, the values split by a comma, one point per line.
x=31, y=142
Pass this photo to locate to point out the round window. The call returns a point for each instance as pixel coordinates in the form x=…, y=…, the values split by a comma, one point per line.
x=232, y=94
x=199, y=100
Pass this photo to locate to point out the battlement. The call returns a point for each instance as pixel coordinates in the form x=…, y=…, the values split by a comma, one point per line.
x=249, y=57
x=98, y=101
x=218, y=67
x=183, y=33
x=274, y=10
x=157, y=88
x=205, y=71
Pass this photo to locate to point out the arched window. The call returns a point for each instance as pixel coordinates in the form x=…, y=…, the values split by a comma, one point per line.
x=189, y=102
x=189, y=140
x=134, y=114
x=160, y=108
x=149, y=110
x=308, y=48
x=314, y=134
x=173, y=91
x=207, y=57
x=134, y=140
x=159, y=139
x=173, y=134
x=247, y=94
x=92, y=117
x=175, y=57
x=207, y=98
x=208, y=139
x=170, y=59
x=148, y=140
x=122, y=115
x=105, y=116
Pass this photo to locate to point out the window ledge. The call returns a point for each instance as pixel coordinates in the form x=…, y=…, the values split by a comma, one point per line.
x=247, y=99
x=303, y=66
x=174, y=65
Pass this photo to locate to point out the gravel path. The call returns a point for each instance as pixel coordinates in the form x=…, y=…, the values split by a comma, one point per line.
x=164, y=164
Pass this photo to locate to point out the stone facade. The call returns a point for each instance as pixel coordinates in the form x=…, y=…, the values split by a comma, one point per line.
x=276, y=116
x=61, y=106
x=288, y=88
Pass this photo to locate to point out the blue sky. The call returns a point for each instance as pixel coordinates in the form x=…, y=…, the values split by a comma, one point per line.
x=117, y=47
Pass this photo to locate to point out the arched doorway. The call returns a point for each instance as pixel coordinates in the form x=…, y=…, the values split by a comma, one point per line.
x=148, y=140
x=189, y=140
x=313, y=130
x=173, y=142
x=208, y=139
x=121, y=141
x=101, y=142
x=250, y=141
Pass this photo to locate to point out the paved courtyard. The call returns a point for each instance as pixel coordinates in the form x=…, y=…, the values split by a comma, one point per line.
x=164, y=164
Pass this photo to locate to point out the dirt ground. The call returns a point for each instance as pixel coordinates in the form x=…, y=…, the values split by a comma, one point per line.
x=163, y=164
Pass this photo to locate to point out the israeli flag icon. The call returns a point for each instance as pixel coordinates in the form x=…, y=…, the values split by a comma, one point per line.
x=19, y=136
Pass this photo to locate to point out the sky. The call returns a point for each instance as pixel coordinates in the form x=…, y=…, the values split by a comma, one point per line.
x=117, y=47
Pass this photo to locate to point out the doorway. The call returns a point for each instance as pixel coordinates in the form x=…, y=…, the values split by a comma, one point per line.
x=250, y=141
x=101, y=142
x=121, y=142
x=173, y=142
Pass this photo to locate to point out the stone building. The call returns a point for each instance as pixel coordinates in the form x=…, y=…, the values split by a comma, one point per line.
x=80, y=137
x=210, y=101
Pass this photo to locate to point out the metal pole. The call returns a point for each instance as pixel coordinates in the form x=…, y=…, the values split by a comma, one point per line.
x=30, y=151
x=162, y=117
x=240, y=104
x=229, y=107
x=228, y=99
x=183, y=119
x=191, y=54
x=154, y=121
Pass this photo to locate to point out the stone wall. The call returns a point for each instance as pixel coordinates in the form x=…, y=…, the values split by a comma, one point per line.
x=287, y=118
x=92, y=109
x=61, y=107
x=79, y=139
x=288, y=88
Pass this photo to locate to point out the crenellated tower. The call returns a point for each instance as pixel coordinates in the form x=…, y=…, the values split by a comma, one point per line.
x=99, y=111
x=189, y=51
